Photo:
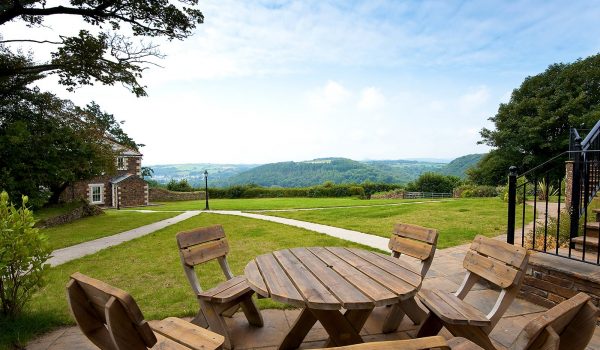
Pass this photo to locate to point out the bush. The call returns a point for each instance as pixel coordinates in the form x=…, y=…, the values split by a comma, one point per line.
x=433, y=182
x=23, y=253
x=469, y=191
x=328, y=189
x=553, y=226
x=181, y=186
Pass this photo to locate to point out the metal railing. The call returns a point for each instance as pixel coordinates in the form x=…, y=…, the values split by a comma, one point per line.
x=409, y=195
x=560, y=208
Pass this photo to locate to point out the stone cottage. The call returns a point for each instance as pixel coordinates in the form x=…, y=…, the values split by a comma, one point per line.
x=126, y=188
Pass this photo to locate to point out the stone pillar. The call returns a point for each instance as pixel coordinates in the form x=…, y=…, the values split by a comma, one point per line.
x=568, y=182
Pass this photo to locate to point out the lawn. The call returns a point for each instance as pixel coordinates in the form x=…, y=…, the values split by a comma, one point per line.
x=276, y=203
x=458, y=221
x=87, y=229
x=149, y=268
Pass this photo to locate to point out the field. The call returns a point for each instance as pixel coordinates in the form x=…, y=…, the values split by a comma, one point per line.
x=458, y=221
x=87, y=229
x=276, y=203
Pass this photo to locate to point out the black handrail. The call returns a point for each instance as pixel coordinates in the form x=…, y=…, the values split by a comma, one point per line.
x=591, y=136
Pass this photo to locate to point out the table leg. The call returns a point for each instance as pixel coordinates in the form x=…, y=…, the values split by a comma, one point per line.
x=299, y=330
x=343, y=329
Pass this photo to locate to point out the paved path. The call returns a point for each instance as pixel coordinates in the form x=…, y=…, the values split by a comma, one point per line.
x=349, y=235
x=63, y=255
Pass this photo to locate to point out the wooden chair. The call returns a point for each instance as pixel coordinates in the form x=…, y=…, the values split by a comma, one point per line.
x=420, y=243
x=111, y=319
x=569, y=325
x=497, y=262
x=205, y=244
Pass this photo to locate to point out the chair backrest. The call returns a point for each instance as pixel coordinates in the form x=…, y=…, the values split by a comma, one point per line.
x=200, y=245
x=498, y=262
x=108, y=316
x=415, y=241
x=568, y=325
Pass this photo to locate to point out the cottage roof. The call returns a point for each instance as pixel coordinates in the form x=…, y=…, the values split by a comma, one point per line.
x=117, y=179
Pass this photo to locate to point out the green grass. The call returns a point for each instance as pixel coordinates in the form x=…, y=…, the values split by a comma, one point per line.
x=458, y=221
x=87, y=229
x=275, y=203
x=149, y=268
x=54, y=210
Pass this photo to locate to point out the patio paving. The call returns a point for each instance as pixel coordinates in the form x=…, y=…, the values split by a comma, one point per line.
x=446, y=273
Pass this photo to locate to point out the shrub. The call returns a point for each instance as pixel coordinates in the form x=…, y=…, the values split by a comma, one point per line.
x=433, y=182
x=23, y=253
x=563, y=228
x=181, y=186
x=468, y=191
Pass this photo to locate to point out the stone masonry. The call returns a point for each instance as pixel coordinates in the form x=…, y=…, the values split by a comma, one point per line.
x=162, y=195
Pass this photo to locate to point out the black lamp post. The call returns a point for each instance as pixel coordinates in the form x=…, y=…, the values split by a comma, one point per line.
x=206, y=188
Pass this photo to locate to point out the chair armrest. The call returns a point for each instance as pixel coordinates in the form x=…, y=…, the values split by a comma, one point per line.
x=188, y=334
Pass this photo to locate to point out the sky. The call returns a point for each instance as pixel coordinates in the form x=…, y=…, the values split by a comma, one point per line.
x=271, y=81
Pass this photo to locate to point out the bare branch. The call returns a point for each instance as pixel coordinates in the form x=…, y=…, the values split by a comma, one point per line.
x=30, y=41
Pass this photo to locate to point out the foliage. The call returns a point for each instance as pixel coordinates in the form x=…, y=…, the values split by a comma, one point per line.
x=179, y=186
x=562, y=227
x=147, y=171
x=534, y=125
x=545, y=191
x=23, y=252
x=522, y=183
x=47, y=143
x=326, y=190
x=103, y=54
x=432, y=182
x=471, y=190
x=460, y=166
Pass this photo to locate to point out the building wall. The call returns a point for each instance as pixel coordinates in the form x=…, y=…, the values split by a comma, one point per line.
x=133, y=192
x=81, y=190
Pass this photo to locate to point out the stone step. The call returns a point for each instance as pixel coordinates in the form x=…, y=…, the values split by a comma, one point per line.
x=591, y=243
x=592, y=229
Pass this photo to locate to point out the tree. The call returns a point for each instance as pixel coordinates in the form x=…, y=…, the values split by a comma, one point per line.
x=103, y=54
x=534, y=125
x=434, y=182
x=47, y=143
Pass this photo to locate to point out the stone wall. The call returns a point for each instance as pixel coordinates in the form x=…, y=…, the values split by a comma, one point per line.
x=82, y=211
x=551, y=279
x=162, y=195
x=568, y=182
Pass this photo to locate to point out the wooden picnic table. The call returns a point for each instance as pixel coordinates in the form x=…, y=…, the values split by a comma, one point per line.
x=322, y=281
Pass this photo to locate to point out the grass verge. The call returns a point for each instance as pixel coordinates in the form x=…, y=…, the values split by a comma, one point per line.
x=458, y=221
x=275, y=203
x=90, y=228
x=149, y=269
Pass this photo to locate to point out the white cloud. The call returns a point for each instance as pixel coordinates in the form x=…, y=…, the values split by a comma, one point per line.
x=328, y=97
x=371, y=99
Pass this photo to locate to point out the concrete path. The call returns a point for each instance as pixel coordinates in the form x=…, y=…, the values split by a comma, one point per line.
x=349, y=235
x=63, y=255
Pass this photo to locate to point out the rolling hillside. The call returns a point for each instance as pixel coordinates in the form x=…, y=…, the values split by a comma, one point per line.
x=312, y=172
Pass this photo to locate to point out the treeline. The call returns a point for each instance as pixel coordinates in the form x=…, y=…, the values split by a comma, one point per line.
x=427, y=182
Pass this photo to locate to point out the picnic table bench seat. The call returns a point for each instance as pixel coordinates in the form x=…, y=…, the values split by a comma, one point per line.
x=227, y=291
x=450, y=309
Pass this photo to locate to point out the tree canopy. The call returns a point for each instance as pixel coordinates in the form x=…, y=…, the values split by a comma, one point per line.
x=534, y=125
x=100, y=51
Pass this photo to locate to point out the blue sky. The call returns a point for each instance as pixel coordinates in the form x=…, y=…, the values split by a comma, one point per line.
x=267, y=81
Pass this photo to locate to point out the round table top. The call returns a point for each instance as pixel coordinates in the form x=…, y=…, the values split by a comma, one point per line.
x=330, y=278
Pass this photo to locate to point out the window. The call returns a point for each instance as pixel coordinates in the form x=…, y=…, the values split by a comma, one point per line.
x=97, y=194
x=121, y=163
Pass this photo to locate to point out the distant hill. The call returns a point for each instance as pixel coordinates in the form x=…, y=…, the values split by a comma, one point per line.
x=312, y=172
x=459, y=166
x=194, y=173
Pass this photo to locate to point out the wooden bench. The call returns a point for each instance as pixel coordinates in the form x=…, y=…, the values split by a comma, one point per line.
x=111, y=319
x=420, y=243
x=497, y=262
x=205, y=244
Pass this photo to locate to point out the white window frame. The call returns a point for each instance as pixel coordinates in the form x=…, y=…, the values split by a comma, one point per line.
x=123, y=165
x=91, y=198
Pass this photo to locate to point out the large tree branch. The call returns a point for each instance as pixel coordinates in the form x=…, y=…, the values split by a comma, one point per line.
x=30, y=41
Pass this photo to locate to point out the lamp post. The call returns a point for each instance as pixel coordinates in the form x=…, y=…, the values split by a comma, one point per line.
x=206, y=188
